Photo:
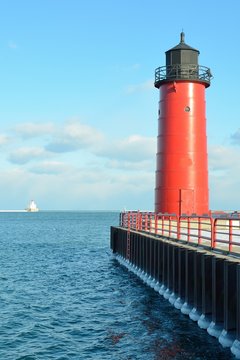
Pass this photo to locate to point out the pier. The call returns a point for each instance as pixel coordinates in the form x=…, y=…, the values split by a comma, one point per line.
x=193, y=262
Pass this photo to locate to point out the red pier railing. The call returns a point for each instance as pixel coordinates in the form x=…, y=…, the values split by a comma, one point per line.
x=219, y=232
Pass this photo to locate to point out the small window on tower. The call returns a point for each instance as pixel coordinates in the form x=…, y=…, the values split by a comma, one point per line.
x=187, y=109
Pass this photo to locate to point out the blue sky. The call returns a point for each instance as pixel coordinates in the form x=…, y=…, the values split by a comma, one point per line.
x=78, y=114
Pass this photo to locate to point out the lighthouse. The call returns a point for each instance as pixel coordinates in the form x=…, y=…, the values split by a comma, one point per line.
x=182, y=161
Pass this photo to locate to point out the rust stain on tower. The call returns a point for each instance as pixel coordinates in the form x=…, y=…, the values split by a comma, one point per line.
x=182, y=161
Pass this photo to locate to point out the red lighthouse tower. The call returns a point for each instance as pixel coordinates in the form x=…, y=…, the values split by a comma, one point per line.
x=182, y=166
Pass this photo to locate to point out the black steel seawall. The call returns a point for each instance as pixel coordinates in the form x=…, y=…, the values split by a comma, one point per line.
x=202, y=284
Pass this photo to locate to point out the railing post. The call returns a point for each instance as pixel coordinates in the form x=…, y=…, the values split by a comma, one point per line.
x=199, y=231
x=140, y=221
x=188, y=229
x=146, y=222
x=156, y=223
x=213, y=232
x=178, y=227
x=162, y=225
x=128, y=235
x=230, y=235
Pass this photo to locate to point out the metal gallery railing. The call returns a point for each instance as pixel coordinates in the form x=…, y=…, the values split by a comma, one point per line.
x=183, y=72
x=216, y=232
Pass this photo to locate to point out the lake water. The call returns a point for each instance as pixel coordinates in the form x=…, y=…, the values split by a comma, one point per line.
x=64, y=296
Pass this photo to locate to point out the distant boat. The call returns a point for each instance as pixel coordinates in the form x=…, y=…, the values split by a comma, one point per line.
x=32, y=207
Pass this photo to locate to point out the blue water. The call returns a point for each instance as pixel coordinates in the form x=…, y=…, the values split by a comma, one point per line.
x=63, y=296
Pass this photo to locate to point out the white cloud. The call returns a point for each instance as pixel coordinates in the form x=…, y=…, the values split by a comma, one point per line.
x=83, y=188
x=106, y=173
x=224, y=165
x=132, y=149
x=4, y=139
x=74, y=136
x=25, y=154
x=82, y=133
x=145, y=165
x=31, y=129
x=51, y=168
x=236, y=137
x=223, y=157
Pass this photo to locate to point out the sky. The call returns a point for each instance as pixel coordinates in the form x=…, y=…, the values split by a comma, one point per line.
x=78, y=113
